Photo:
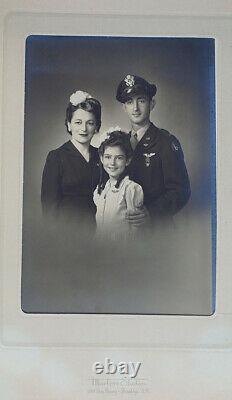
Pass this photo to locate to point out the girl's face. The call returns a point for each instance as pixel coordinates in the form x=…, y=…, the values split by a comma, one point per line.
x=114, y=161
x=82, y=126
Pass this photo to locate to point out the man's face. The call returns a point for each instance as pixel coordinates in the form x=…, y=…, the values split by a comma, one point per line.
x=138, y=109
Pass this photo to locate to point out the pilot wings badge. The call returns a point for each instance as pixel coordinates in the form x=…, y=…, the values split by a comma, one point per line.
x=148, y=158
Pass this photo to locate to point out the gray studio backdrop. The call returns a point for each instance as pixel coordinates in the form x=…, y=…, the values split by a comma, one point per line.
x=180, y=280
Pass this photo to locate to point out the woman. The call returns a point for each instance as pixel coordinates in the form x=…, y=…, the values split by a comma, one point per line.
x=71, y=172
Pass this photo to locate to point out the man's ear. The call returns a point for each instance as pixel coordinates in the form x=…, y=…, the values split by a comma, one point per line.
x=152, y=103
x=124, y=107
x=101, y=158
x=128, y=161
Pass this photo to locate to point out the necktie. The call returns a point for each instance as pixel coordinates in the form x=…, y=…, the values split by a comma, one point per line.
x=134, y=140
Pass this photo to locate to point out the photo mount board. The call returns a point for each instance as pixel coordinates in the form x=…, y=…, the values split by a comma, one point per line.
x=170, y=337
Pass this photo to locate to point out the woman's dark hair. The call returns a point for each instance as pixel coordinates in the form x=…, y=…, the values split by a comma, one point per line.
x=91, y=105
x=115, y=138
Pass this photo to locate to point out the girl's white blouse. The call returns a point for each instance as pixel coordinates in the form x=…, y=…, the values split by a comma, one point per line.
x=112, y=205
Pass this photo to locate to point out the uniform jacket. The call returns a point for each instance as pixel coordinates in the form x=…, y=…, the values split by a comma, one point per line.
x=68, y=183
x=158, y=166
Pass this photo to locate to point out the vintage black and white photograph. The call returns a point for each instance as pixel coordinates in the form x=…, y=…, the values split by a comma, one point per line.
x=119, y=193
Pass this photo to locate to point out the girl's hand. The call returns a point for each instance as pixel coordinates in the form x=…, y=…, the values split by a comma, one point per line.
x=137, y=217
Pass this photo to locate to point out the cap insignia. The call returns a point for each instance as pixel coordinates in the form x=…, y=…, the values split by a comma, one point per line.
x=129, y=80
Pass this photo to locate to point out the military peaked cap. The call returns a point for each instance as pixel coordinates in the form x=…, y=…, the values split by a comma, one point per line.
x=133, y=85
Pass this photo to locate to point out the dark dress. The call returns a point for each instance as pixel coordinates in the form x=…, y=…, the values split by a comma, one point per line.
x=68, y=183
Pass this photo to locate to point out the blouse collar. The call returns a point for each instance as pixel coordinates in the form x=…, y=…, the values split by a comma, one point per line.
x=111, y=187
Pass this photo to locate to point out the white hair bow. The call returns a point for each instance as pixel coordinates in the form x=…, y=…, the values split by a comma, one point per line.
x=105, y=135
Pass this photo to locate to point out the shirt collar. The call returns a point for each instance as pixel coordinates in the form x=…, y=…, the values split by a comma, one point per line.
x=141, y=132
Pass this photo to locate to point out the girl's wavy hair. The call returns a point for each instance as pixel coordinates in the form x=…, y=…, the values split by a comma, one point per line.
x=115, y=138
x=91, y=105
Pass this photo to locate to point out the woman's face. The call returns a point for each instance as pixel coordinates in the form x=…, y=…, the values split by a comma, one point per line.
x=82, y=126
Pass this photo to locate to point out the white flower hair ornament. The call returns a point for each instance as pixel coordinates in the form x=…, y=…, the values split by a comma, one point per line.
x=106, y=135
x=79, y=97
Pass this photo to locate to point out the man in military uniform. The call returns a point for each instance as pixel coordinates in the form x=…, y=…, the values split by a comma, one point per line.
x=158, y=161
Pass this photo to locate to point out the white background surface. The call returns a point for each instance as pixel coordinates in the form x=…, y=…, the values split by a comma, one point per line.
x=183, y=358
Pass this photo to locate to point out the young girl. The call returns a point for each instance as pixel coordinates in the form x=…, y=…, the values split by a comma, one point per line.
x=119, y=195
